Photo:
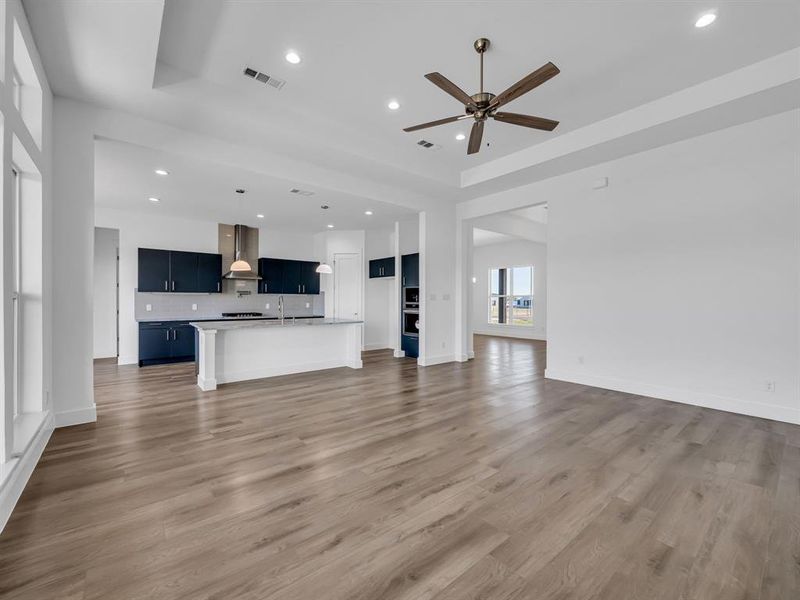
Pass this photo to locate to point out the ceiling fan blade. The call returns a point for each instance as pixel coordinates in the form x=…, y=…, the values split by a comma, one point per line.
x=526, y=84
x=451, y=88
x=526, y=121
x=435, y=123
x=475, y=137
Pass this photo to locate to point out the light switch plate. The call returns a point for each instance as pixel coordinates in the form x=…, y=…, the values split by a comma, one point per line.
x=194, y=306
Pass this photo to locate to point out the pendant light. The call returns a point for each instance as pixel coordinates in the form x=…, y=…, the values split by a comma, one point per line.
x=324, y=268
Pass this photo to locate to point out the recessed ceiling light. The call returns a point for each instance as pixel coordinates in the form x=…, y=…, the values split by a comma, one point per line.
x=368, y=212
x=240, y=191
x=705, y=20
x=260, y=216
x=393, y=105
x=330, y=226
x=161, y=172
x=154, y=199
x=460, y=136
x=292, y=57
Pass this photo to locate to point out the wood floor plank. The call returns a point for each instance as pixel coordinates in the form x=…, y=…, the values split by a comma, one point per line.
x=479, y=480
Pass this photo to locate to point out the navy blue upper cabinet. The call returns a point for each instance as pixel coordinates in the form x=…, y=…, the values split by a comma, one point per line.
x=271, y=272
x=282, y=276
x=176, y=271
x=153, y=270
x=410, y=270
x=209, y=272
x=183, y=271
x=292, y=277
x=310, y=280
x=381, y=267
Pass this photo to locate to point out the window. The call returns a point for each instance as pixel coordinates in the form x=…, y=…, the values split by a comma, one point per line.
x=16, y=242
x=511, y=296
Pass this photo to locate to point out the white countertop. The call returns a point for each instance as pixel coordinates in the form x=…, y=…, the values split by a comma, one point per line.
x=288, y=322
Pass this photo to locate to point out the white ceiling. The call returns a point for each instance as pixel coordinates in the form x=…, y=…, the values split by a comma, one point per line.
x=532, y=213
x=484, y=237
x=125, y=178
x=180, y=63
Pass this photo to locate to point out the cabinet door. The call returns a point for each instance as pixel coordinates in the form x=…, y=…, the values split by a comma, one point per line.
x=182, y=341
x=153, y=270
x=410, y=345
x=375, y=268
x=310, y=281
x=292, y=276
x=410, y=270
x=183, y=271
x=209, y=272
x=271, y=272
x=154, y=342
x=388, y=266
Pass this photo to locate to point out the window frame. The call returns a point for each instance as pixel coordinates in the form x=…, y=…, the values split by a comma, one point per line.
x=506, y=298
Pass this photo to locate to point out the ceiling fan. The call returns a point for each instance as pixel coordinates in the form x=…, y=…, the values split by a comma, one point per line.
x=484, y=105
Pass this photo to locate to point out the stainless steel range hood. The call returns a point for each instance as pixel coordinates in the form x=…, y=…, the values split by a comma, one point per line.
x=238, y=245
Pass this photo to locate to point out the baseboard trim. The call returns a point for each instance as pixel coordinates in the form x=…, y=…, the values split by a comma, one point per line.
x=429, y=361
x=78, y=416
x=733, y=405
x=128, y=360
x=512, y=333
x=376, y=346
x=20, y=470
x=399, y=353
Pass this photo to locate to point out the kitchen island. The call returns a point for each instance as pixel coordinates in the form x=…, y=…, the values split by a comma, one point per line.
x=231, y=351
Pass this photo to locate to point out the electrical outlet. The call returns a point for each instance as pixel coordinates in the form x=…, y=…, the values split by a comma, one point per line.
x=267, y=306
x=148, y=307
x=443, y=345
x=770, y=386
x=580, y=360
x=308, y=304
x=194, y=306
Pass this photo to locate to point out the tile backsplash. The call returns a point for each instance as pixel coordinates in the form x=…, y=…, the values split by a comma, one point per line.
x=211, y=306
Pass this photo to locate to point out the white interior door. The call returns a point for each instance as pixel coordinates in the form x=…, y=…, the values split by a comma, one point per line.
x=347, y=286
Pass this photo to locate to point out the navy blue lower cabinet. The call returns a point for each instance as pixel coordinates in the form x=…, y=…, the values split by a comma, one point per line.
x=166, y=342
x=410, y=345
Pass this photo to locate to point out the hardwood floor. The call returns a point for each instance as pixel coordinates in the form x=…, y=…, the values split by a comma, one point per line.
x=453, y=482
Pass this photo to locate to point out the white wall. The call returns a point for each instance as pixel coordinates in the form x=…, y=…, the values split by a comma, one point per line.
x=680, y=280
x=381, y=314
x=437, y=262
x=327, y=245
x=106, y=244
x=148, y=229
x=509, y=254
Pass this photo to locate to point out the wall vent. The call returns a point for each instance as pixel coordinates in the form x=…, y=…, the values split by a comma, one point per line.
x=428, y=145
x=301, y=192
x=264, y=78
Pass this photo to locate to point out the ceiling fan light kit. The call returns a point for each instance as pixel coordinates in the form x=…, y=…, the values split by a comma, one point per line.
x=483, y=105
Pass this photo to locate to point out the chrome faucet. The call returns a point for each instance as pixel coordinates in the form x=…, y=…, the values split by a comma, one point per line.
x=280, y=307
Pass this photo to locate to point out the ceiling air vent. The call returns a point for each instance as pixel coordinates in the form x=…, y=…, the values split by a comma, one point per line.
x=428, y=145
x=301, y=192
x=264, y=78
